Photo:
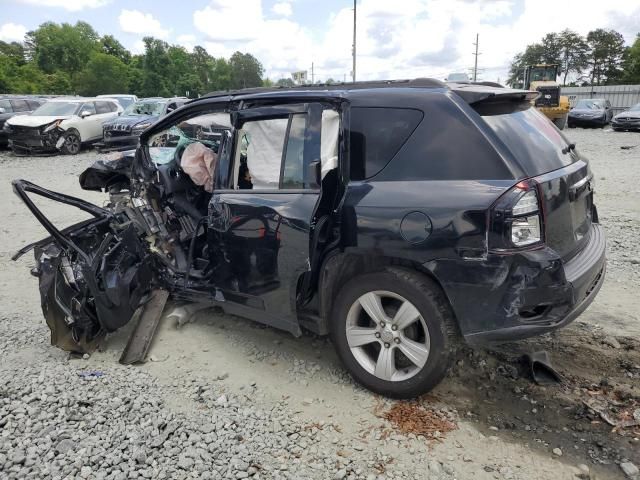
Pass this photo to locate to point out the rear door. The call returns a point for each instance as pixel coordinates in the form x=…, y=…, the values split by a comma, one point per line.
x=90, y=127
x=262, y=209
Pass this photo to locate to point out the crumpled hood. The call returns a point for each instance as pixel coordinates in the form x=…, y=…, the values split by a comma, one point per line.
x=31, y=121
x=628, y=114
x=131, y=120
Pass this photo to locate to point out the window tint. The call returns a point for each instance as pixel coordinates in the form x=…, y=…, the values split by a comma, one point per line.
x=6, y=105
x=103, y=107
x=376, y=136
x=20, y=106
x=446, y=145
x=532, y=139
x=293, y=169
x=88, y=107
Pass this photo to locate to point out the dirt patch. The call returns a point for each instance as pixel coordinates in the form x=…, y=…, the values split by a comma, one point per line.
x=593, y=413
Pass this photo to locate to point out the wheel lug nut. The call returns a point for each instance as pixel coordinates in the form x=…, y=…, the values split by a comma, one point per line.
x=377, y=334
x=382, y=324
x=397, y=340
x=394, y=327
x=386, y=345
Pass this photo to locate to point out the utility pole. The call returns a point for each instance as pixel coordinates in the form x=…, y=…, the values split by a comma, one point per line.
x=475, y=66
x=353, y=71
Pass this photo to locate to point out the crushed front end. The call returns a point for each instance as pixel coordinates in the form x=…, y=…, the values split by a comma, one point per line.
x=33, y=140
x=93, y=275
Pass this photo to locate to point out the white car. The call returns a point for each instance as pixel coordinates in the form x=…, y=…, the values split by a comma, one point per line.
x=61, y=124
x=123, y=99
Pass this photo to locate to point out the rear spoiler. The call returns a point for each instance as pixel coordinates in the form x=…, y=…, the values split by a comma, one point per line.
x=490, y=100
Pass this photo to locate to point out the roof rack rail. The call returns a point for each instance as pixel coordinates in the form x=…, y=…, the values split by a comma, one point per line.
x=414, y=83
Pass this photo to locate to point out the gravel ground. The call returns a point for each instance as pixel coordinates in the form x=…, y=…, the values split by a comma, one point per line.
x=222, y=397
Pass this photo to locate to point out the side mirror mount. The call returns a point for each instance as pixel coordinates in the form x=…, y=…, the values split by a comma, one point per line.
x=85, y=114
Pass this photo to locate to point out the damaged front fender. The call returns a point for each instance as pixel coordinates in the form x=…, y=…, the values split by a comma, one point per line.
x=93, y=276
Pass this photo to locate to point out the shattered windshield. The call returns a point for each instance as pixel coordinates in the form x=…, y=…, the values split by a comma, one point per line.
x=155, y=107
x=53, y=109
x=589, y=105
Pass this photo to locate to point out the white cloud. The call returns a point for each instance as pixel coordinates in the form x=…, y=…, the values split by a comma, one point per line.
x=12, y=32
x=283, y=9
x=138, y=47
x=71, y=5
x=423, y=38
x=188, y=41
x=134, y=21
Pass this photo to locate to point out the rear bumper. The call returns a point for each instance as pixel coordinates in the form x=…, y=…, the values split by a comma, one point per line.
x=512, y=297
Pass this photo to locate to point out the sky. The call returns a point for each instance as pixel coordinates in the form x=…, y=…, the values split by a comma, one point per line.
x=395, y=39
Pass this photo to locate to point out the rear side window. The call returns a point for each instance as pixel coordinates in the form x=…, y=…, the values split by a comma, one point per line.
x=33, y=104
x=20, y=106
x=103, y=107
x=533, y=140
x=376, y=135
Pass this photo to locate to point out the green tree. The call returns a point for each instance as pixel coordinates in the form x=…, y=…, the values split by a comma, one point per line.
x=189, y=85
x=631, y=63
x=103, y=74
x=14, y=51
x=574, y=53
x=285, y=82
x=607, y=52
x=246, y=71
x=57, y=83
x=222, y=76
x=111, y=46
x=62, y=47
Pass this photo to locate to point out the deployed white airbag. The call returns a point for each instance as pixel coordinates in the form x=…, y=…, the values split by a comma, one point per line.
x=264, y=152
x=199, y=162
x=329, y=140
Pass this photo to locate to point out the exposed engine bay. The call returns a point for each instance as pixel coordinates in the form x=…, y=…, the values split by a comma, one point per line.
x=96, y=274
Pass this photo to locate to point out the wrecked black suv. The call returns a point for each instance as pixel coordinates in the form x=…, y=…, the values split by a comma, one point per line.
x=393, y=216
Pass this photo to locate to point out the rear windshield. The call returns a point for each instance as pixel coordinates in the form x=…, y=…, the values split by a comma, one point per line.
x=534, y=141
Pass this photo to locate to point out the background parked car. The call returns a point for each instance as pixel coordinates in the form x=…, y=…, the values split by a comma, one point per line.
x=61, y=124
x=593, y=112
x=627, y=120
x=10, y=107
x=123, y=99
x=123, y=132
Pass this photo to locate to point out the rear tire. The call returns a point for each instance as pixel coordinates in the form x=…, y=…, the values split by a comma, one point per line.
x=392, y=354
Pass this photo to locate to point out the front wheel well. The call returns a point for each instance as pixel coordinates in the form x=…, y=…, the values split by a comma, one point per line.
x=341, y=267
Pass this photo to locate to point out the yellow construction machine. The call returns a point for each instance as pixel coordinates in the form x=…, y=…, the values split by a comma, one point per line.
x=543, y=79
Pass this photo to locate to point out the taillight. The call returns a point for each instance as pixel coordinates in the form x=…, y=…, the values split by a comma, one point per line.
x=516, y=219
